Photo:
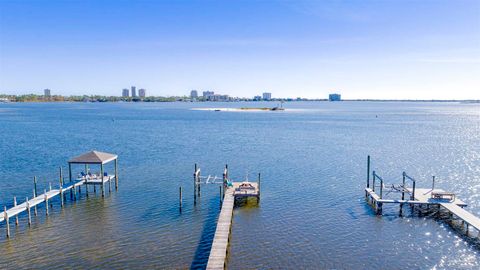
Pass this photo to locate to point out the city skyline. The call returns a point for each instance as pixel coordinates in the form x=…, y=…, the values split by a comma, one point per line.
x=367, y=49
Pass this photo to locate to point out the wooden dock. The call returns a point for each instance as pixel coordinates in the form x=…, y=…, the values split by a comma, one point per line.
x=92, y=157
x=232, y=191
x=218, y=252
x=418, y=197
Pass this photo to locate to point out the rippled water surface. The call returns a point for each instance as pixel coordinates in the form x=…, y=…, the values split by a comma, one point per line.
x=312, y=214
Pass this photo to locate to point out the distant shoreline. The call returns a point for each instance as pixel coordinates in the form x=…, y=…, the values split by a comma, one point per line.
x=56, y=99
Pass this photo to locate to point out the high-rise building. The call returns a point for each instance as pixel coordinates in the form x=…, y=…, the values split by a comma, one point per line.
x=257, y=98
x=207, y=95
x=334, y=97
x=134, y=91
x=47, y=93
x=267, y=96
x=193, y=94
x=141, y=93
x=125, y=92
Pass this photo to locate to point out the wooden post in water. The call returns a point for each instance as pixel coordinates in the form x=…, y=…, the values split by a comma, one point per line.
x=413, y=191
x=35, y=193
x=180, y=198
x=195, y=185
x=109, y=185
x=29, y=212
x=61, y=186
x=70, y=179
x=74, y=192
x=46, y=201
x=101, y=177
x=198, y=185
x=14, y=205
x=373, y=181
x=368, y=171
x=116, y=173
x=6, y=219
x=61, y=196
x=61, y=176
x=35, y=208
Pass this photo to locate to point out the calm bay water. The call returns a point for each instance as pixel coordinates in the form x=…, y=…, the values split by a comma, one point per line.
x=312, y=158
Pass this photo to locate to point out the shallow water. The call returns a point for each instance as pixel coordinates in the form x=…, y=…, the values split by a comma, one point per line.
x=312, y=214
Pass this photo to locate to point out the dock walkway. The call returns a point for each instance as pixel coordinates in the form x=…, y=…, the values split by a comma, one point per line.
x=455, y=207
x=218, y=252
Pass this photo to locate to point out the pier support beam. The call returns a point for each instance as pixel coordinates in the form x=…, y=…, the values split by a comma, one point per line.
x=46, y=201
x=14, y=205
x=103, y=183
x=70, y=178
x=7, y=220
x=29, y=212
x=116, y=173
x=180, y=199
x=368, y=171
x=35, y=193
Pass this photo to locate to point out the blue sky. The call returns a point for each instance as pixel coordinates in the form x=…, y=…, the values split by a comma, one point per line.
x=362, y=49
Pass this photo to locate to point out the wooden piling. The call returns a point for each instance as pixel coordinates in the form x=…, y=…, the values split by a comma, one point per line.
x=14, y=205
x=61, y=176
x=70, y=178
x=116, y=173
x=180, y=198
x=368, y=171
x=35, y=207
x=35, y=192
x=29, y=212
x=74, y=192
x=101, y=177
x=46, y=201
x=6, y=219
x=61, y=196
x=373, y=180
x=195, y=184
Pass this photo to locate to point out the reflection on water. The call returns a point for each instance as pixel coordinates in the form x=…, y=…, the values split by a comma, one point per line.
x=312, y=213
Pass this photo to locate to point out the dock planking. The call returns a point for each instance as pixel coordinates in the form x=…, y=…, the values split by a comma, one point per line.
x=232, y=191
x=218, y=252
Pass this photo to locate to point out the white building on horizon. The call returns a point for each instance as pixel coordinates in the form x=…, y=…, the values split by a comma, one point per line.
x=267, y=96
x=208, y=95
x=142, y=92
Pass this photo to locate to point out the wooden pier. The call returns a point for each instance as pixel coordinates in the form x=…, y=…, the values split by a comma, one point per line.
x=86, y=179
x=232, y=191
x=430, y=199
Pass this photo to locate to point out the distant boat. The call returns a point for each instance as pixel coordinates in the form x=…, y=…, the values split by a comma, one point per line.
x=4, y=100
